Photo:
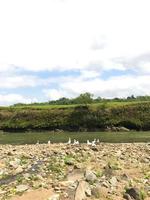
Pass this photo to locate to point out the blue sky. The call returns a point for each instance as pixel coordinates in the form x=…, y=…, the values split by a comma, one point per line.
x=48, y=51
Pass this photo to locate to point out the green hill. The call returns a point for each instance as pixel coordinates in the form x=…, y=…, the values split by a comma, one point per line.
x=92, y=117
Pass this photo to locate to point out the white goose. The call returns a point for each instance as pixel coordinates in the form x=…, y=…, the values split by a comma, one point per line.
x=69, y=141
x=93, y=143
x=37, y=142
x=89, y=143
x=49, y=142
x=97, y=141
x=76, y=142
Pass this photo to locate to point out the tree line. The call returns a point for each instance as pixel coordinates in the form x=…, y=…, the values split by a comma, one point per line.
x=88, y=98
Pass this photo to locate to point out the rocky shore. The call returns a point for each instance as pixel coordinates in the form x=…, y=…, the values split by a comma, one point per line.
x=75, y=172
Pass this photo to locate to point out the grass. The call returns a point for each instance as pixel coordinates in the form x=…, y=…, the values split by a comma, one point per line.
x=133, y=115
x=108, y=104
x=43, y=137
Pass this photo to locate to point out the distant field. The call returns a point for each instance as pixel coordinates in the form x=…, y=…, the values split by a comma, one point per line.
x=43, y=137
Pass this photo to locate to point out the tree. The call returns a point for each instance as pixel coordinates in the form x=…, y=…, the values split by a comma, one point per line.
x=85, y=98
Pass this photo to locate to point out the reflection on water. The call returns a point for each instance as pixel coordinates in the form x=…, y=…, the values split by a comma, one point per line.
x=43, y=137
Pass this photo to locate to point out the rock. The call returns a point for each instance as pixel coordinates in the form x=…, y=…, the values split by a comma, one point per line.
x=39, y=177
x=127, y=196
x=10, y=153
x=94, y=148
x=113, y=181
x=90, y=176
x=67, y=183
x=27, y=176
x=88, y=191
x=59, y=131
x=105, y=184
x=124, y=129
x=83, y=190
x=113, y=128
x=108, y=129
x=18, y=170
x=125, y=177
x=54, y=197
x=15, y=164
x=118, y=153
x=134, y=193
x=2, y=172
x=96, y=192
x=21, y=188
x=120, y=129
x=78, y=166
x=2, y=192
x=99, y=192
x=69, y=161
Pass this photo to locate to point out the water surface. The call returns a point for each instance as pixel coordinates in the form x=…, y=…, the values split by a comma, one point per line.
x=43, y=137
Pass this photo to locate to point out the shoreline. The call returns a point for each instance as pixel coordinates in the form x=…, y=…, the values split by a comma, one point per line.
x=59, y=171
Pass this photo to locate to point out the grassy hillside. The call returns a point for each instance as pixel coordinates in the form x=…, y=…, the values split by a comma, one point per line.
x=133, y=115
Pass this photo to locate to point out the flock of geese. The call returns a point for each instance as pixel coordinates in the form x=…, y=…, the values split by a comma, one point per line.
x=76, y=142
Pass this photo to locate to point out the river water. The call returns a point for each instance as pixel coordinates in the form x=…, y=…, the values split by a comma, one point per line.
x=43, y=137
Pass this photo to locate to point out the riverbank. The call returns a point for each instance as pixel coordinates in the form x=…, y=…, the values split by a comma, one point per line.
x=82, y=118
x=60, y=171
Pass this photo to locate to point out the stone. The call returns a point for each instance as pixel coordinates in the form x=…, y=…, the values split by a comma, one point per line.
x=15, y=164
x=27, y=176
x=2, y=172
x=21, y=188
x=105, y=184
x=94, y=148
x=134, y=193
x=54, y=197
x=90, y=176
x=83, y=190
x=127, y=196
x=96, y=192
x=124, y=129
x=67, y=183
x=10, y=153
x=125, y=177
x=78, y=166
x=2, y=192
x=99, y=192
x=18, y=170
x=113, y=181
x=69, y=161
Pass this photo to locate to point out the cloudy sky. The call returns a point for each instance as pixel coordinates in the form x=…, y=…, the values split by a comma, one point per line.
x=55, y=48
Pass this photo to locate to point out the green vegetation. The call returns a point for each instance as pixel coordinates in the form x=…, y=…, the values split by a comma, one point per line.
x=82, y=113
x=134, y=115
x=87, y=98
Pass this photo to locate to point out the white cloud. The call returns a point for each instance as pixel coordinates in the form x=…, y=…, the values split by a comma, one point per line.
x=85, y=74
x=90, y=36
x=48, y=34
x=10, y=99
x=122, y=86
x=54, y=94
x=20, y=81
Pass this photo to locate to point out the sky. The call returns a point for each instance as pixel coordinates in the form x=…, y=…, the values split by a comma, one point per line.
x=61, y=48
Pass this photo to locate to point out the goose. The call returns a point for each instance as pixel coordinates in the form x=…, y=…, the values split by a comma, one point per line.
x=75, y=142
x=37, y=142
x=69, y=141
x=97, y=141
x=94, y=142
x=88, y=142
x=49, y=142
